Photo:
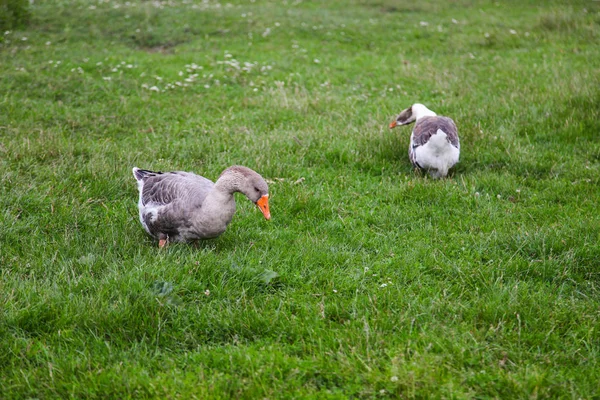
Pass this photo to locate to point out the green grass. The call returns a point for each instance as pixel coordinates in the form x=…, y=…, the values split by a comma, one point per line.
x=371, y=280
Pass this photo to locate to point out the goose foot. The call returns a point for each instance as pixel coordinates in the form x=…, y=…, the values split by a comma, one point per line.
x=163, y=241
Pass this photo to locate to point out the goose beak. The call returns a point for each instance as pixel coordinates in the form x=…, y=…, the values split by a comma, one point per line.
x=263, y=204
x=393, y=124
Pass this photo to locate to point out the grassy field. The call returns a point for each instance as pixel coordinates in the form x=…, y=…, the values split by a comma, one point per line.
x=371, y=280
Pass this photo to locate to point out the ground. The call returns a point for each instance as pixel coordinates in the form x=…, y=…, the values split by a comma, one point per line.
x=371, y=280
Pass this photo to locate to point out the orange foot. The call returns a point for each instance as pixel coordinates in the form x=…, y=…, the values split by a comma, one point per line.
x=162, y=243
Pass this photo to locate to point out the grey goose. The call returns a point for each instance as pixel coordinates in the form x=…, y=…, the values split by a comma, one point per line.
x=182, y=206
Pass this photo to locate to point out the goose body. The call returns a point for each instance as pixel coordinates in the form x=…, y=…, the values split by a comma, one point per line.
x=182, y=206
x=434, y=144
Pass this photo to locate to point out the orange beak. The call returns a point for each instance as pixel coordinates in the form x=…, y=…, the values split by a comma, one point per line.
x=393, y=124
x=263, y=204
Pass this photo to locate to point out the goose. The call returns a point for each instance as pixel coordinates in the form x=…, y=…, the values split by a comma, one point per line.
x=434, y=144
x=182, y=206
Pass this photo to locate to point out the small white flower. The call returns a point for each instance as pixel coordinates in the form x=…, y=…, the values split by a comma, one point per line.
x=394, y=379
x=7, y=33
x=106, y=78
x=145, y=85
x=255, y=90
x=513, y=32
x=454, y=21
x=92, y=7
x=334, y=291
x=498, y=196
x=99, y=63
x=50, y=62
x=207, y=292
x=267, y=32
x=277, y=24
x=317, y=61
x=23, y=38
x=206, y=86
x=158, y=78
x=129, y=66
x=48, y=43
x=383, y=285
x=423, y=23
x=526, y=33
x=155, y=89
x=518, y=190
x=487, y=35
x=115, y=70
x=477, y=194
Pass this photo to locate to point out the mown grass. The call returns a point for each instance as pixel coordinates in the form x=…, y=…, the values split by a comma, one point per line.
x=371, y=280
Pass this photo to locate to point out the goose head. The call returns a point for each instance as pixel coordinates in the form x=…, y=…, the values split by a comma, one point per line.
x=250, y=183
x=411, y=114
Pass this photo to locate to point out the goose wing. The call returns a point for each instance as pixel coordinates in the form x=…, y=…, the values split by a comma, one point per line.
x=161, y=189
x=428, y=126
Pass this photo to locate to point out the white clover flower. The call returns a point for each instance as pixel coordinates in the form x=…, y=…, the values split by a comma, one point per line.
x=155, y=89
x=106, y=78
x=48, y=43
x=424, y=23
x=394, y=379
x=513, y=32
x=316, y=61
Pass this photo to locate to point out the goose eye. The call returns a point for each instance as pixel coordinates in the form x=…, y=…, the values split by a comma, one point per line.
x=256, y=189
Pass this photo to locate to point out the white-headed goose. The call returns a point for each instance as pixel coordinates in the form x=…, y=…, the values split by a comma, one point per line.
x=434, y=144
x=181, y=206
